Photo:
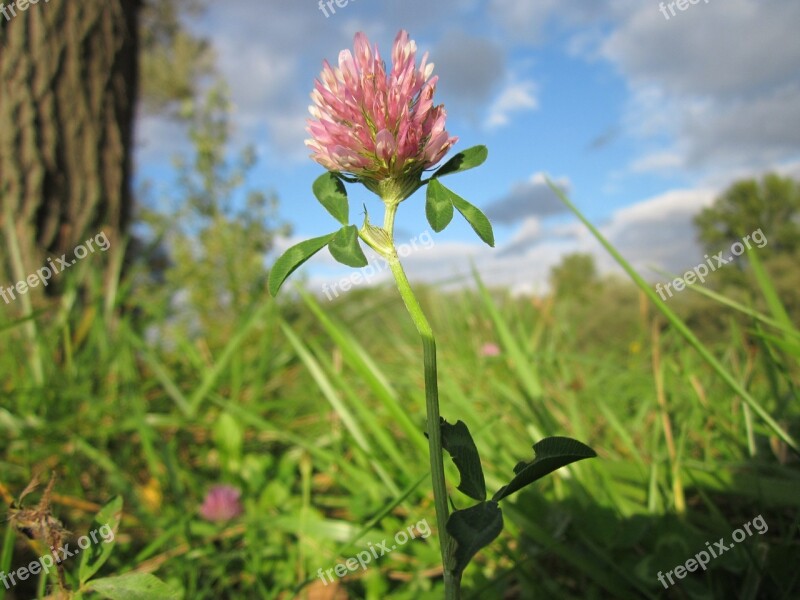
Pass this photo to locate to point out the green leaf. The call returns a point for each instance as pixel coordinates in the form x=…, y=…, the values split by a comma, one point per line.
x=345, y=248
x=467, y=159
x=293, y=258
x=771, y=295
x=438, y=206
x=549, y=454
x=439, y=210
x=228, y=436
x=474, y=528
x=475, y=218
x=135, y=586
x=458, y=442
x=331, y=193
x=102, y=536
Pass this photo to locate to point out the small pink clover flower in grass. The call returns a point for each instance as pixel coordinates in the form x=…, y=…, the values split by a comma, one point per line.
x=490, y=349
x=221, y=503
x=377, y=126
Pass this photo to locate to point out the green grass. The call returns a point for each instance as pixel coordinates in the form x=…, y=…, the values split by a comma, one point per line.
x=315, y=410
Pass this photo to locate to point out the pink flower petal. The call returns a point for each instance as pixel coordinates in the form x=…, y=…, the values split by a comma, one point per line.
x=385, y=145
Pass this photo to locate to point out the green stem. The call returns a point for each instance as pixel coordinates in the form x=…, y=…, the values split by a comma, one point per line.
x=452, y=582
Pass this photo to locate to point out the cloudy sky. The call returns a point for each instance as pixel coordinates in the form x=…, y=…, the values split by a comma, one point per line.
x=643, y=119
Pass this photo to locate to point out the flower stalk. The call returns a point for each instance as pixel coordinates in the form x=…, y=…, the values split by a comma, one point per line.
x=433, y=428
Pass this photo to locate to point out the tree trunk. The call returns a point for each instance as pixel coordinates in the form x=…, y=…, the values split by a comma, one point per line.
x=68, y=77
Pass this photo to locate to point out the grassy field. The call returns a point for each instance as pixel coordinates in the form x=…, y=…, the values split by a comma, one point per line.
x=315, y=411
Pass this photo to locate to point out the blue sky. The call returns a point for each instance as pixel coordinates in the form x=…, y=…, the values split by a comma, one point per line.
x=643, y=119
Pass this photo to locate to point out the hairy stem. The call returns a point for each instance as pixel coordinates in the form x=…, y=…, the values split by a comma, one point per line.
x=434, y=431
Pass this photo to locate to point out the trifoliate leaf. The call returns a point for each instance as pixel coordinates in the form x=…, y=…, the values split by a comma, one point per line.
x=480, y=224
x=474, y=528
x=331, y=193
x=344, y=247
x=293, y=258
x=438, y=206
x=550, y=454
x=458, y=442
x=464, y=160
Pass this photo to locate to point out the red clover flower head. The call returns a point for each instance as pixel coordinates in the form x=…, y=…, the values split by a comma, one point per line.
x=378, y=127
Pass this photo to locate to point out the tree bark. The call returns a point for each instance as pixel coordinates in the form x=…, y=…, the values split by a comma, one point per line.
x=68, y=71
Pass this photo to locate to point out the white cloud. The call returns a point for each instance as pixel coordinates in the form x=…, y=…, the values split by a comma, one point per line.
x=755, y=131
x=516, y=97
x=657, y=232
x=530, y=228
x=713, y=89
x=712, y=103
x=657, y=161
x=754, y=46
x=531, y=22
x=528, y=234
x=523, y=20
